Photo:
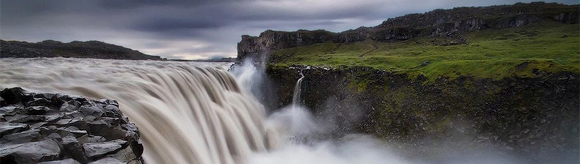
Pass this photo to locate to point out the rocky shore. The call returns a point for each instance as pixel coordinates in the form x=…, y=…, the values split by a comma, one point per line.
x=55, y=128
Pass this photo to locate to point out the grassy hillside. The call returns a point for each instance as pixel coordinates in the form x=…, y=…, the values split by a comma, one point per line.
x=526, y=51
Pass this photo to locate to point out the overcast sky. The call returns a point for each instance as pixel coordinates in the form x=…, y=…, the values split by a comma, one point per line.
x=198, y=29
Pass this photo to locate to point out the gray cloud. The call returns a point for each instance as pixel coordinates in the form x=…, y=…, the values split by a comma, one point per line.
x=201, y=28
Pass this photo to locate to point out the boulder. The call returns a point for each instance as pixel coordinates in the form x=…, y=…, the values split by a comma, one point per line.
x=12, y=95
x=32, y=152
x=97, y=150
x=9, y=128
x=21, y=137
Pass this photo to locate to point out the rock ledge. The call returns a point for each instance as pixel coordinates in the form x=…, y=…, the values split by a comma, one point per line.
x=55, y=128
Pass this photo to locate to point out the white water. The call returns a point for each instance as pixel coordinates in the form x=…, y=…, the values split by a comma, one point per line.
x=188, y=113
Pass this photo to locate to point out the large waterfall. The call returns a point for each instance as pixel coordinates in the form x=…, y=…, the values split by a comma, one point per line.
x=186, y=113
x=194, y=113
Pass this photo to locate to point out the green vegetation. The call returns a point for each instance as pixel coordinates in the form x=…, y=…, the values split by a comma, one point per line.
x=524, y=52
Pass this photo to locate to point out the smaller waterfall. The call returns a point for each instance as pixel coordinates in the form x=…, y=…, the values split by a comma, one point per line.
x=297, y=89
x=294, y=120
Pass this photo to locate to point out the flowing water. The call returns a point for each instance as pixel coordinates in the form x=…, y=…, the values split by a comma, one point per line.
x=186, y=112
x=197, y=113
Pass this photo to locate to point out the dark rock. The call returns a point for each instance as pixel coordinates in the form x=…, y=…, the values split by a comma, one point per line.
x=91, y=110
x=73, y=148
x=70, y=121
x=39, y=102
x=44, y=95
x=70, y=106
x=137, y=147
x=98, y=150
x=20, y=118
x=32, y=152
x=53, y=117
x=124, y=155
x=3, y=102
x=8, y=110
x=21, y=137
x=38, y=125
x=55, y=136
x=12, y=95
x=112, y=111
x=79, y=125
x=107, y=161
x=9, y=128
x=37, y=110
x=71, y=130
x=91, y=139
x=64, y=161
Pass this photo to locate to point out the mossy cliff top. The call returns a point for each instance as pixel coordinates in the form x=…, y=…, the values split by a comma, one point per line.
x=522, y=40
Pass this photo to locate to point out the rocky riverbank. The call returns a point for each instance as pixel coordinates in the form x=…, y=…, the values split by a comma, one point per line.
x=55, y=128
x=536, y=118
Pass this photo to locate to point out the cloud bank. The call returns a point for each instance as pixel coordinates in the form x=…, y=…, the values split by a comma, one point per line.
x=198, y=29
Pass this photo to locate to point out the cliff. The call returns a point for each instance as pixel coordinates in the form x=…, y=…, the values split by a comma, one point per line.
x=77, y=49
x=449, y=25
x=532, y=118
x=470, y=77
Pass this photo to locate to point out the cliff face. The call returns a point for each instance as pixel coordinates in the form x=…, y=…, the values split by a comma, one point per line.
x=449, y=24
x=88, y=49
x=535, y=118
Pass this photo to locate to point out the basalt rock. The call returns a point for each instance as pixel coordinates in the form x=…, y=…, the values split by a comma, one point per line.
x=54, y=128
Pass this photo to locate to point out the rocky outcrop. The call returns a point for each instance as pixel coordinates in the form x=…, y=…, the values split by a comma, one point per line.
x=259, y=47
x=536, y=118
x=451, y=24
x=77, y=49
x=55, y=128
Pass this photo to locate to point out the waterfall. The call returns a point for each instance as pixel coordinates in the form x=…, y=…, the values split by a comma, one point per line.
x=297, y=90
x=185, y=113
x=193, y=113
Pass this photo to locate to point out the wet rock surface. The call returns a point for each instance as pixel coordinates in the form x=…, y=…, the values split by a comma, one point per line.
x=54, y=128
x=533, y=118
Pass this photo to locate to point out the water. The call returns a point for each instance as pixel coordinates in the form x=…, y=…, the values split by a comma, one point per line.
x=186, y=112
x=297, y=91
x=199, y=113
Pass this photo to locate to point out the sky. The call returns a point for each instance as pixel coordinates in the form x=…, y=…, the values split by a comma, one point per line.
x=199, y=29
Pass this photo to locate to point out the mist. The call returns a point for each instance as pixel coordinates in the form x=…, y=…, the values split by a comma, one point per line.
x=325, y=138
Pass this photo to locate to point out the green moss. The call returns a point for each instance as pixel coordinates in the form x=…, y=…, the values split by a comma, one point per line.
x=547, y=46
